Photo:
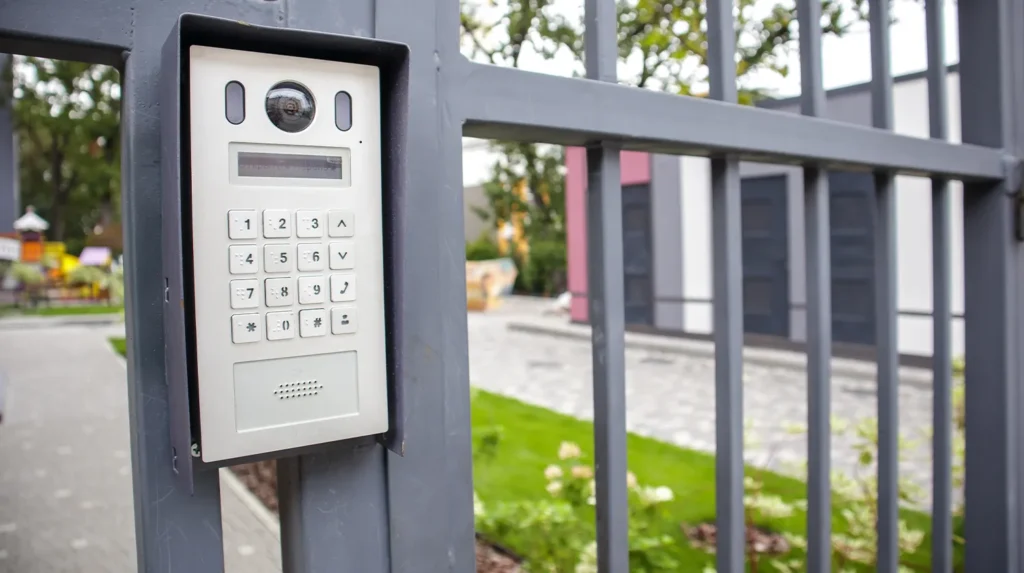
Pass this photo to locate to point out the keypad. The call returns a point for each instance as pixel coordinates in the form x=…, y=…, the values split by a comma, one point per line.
x=291, y=290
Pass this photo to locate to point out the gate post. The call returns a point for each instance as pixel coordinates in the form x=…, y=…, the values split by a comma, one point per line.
x=9, y=209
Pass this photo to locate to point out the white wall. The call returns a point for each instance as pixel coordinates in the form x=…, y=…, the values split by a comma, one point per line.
x=914, y=253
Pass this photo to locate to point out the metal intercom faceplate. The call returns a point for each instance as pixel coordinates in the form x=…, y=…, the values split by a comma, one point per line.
x=287, y=246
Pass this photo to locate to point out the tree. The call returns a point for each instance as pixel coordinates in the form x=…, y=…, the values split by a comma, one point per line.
x=67, y=118
x=664, y=41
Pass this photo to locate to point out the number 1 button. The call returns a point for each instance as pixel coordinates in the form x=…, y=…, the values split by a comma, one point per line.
x=242, y=224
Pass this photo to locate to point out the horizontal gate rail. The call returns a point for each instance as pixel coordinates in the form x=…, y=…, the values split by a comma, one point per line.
x=572, y=111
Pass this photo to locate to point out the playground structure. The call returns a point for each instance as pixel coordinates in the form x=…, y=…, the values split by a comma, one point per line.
x=47, y=273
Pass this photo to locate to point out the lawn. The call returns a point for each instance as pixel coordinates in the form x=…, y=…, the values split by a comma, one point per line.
x=61, y=310
x=529, y=441
x=120, y=345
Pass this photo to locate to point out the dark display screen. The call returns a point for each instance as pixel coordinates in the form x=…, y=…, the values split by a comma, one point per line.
x=289, y=165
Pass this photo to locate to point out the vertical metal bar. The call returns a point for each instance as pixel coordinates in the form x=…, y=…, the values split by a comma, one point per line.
x=886, y=340
x=819, y=307
x=607, y=318
x=991, y=116
x=333, y=512
x=606, y=300
x=728, y=304
x=942, y=313
x=8, y=150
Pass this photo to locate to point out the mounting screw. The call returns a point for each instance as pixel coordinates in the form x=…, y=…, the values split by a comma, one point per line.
x=195, y=449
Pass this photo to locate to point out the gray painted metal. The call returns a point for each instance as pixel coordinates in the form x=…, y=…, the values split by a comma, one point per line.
x=991, y=115
x=886, y=340
x=727, y=254
x=492, y=104
x=604, y=267
x=9, y=203
x=819, y=309
x=942, y=312
x=606, y=308
x=360, y=507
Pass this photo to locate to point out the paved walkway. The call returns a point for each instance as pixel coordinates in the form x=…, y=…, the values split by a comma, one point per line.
x=671, y=395
x=65, y=475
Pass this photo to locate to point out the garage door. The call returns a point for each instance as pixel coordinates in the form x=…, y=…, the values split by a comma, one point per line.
x=765, y=256
x=637, y=257
x=852, y=206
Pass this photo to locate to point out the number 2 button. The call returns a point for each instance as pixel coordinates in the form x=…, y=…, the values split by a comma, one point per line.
x=245, y=293
x=275, y=224
x=242, y=259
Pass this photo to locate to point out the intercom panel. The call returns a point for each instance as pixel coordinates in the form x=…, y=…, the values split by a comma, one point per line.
x=284, y=196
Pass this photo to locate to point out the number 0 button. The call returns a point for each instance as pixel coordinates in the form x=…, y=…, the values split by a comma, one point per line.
x=310, y=224
x=281, y=325
x=280, y=292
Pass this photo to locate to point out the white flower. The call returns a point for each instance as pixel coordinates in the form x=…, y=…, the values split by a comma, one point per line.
x=569, y=450
x=631, y=482
x=663, y=494
x=554, y=488
x=582, y=472
x=478, y=506
x=553, y=472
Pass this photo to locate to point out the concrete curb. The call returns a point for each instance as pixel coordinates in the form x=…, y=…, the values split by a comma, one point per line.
x=766, y=357
x=229, y=481
x=19, y=322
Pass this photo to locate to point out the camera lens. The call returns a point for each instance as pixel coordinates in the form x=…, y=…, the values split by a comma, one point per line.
x=290, y=106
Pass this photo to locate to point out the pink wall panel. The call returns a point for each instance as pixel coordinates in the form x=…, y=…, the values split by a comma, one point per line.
x=635, y=168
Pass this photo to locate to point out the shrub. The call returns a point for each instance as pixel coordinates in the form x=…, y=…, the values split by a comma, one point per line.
x=545, y=268
x=87, y=276
x=482, y=249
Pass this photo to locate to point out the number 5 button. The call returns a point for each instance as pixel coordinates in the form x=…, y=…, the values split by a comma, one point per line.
x=244, y=293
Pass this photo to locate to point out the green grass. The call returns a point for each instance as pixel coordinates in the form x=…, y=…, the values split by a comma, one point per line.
x=529, y=442
x=61, y=310
x=119, y=344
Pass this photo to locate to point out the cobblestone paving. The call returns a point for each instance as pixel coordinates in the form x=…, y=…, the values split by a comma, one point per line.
x=65, y=474
x=671, y=396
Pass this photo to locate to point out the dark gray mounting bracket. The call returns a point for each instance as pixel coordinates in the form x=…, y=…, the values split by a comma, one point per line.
x=179, y=328
x=1013, y=180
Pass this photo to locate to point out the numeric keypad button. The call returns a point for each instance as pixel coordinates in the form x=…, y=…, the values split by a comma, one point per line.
x=245, y=293
x=312, y=322
x=277, y=224
x=245, y=328
x=309, y=224
x=280, y=292
x=242, y=224
x=342, y=223
x=281, y=325
x=277, y=258
x=242, y=260
x=343, y=287
x=312, y=290
x=343, y=255
x=311, y=257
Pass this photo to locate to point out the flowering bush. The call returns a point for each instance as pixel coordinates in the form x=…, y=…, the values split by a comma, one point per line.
x=556, y=534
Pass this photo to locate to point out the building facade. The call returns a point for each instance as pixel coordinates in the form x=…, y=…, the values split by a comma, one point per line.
x=667, y=237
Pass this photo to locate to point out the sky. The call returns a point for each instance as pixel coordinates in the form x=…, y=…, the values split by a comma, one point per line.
x=845, y=60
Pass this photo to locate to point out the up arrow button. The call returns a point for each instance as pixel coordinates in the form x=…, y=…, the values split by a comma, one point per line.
x=341, y=223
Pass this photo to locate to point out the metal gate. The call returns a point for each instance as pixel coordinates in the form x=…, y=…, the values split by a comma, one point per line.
x=360, y=509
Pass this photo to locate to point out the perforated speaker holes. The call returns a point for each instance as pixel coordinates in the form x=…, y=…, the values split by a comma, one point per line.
x=301, y=389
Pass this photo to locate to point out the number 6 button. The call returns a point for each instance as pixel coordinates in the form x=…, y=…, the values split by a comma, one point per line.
x=311, y=257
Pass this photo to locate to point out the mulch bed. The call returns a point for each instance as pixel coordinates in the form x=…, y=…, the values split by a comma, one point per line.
x=759, y=540
x=261, y=479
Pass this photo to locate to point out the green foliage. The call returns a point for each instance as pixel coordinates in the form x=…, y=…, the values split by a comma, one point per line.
x=67, y=117
x=482, y=249
x=544, y=272
x=84, y=275
x=27, y=275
